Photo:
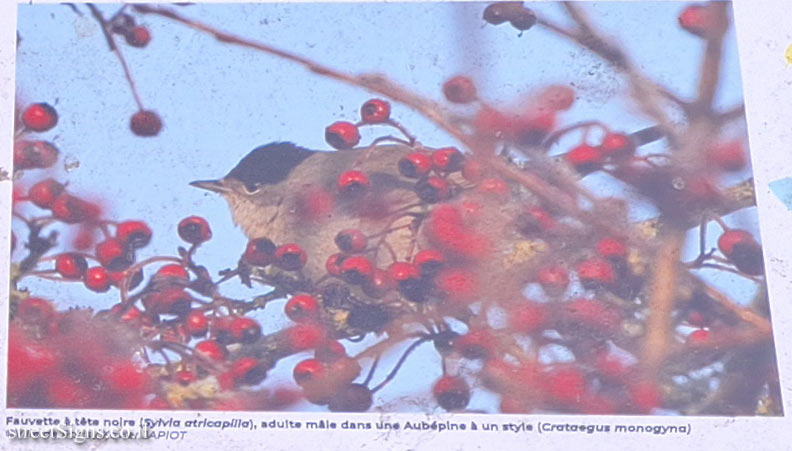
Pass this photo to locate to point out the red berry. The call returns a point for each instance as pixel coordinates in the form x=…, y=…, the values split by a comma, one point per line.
x=244, y=330
x=314, y=203
x=72, y=210
x=260, y=252
x=747, y=257
x=646, y=396
x=122, y=23
x=610, y=247
x=697, y=20
x=596, y=272
x=194, y=230
x=611, y=366
x=145, y=123
x=433, y=189
x=138, y=36
x=447, y=229
x=585, y=158
x=170, y=300
x=342, y=135
x=476, y=344
x=592, y=313
x=221, y=329
x=415, y=165
x=523, y=19
x=617, y=145
x=554, y=279
x=114, y=255
x=197, y=323
x=408, y=277
x=357, y=269
x=566, y=384
x=39, y=117
x=379, y=284
x=532, y=130
x=742, y=249
x=28, y=361
x=500, y=12
x=457, y=284
x=333, y=264
x=534, y=221
x=135, y=234
x=429, y=262
x=304, y=336
x=290, y=257
x=172, y=271
x=528, y=317
x=34, y=154
x=302, y=307
x=128, y=313
x=375, y=111
x=248, y=371
x=699, y=337
x=401, y=271
x=732, y=237
x=493, y=123
x=44, y=193
x=307, y=370
x=126, y=377
x=97, y=279
x=351, y=241
x=353, y=182
x=728, y=156
x=557, y=97
x=472, y=170
x=351, y=398
x=496, y=188
x=698, y=318
x=226, y=381
x=185, y=377
x=66, y=392
x=35, y=310
x=70, y=266
x=451, y=392
x=447, y=159
x=460, y=89
x=330, y=352
x=211, y=350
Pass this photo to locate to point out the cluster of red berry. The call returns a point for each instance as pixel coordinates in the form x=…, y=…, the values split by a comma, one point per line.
x=144, y=122
x=125, y=25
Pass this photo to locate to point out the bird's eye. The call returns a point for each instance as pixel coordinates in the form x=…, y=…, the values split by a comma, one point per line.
x=252, y=188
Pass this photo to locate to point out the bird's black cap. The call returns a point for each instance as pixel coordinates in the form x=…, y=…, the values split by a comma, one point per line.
x=269, y=164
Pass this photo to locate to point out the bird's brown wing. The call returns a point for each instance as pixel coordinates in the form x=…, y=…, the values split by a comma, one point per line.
x=312, y=210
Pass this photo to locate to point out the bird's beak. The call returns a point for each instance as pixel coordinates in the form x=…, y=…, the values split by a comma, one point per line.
x=216, y=186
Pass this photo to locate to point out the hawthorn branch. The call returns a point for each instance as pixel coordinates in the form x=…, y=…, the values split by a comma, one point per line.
x=646, y=92
x=661, y=301
x=105, y=26
x=432, y=110
x=736, y=112
x=760, y=323
x=709, y=75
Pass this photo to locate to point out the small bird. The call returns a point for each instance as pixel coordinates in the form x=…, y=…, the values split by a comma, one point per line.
x=290, y=194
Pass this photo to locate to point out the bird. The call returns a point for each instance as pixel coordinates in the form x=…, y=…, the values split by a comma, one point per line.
x=290, y=194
